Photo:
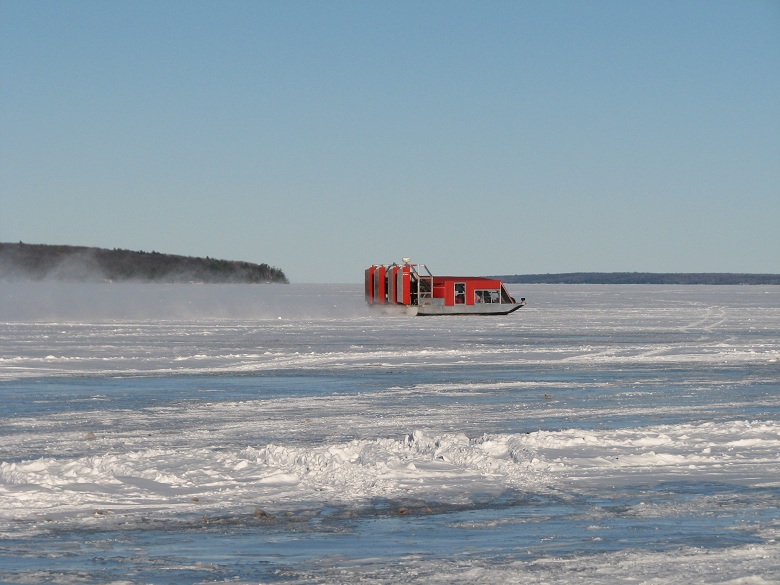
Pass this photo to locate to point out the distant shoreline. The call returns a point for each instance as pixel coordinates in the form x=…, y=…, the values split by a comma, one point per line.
x=724, y=278
x=36, y=262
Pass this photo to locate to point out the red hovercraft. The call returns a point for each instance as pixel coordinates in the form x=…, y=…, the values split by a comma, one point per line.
x=411, y=289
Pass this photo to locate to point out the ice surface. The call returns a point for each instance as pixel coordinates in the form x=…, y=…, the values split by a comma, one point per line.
x=260, y=433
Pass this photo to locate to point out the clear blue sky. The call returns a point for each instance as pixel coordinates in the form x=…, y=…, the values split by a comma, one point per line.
x=481, y=137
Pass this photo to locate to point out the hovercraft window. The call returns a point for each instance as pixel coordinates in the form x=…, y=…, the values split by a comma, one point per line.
x=460, y=293
x=487, y=296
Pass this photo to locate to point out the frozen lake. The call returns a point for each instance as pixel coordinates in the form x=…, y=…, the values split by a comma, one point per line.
x=178, y=434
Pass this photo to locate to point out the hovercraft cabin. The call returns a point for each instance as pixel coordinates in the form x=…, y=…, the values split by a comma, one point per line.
x=412, y=289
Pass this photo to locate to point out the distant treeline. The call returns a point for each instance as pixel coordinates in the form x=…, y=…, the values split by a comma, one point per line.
x=642, y=278
x=76, y=263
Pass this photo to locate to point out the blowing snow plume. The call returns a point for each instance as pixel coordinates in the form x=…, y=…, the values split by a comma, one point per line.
x=98, y=301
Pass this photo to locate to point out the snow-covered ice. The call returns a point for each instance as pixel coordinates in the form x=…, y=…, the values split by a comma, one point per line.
x=186, y=433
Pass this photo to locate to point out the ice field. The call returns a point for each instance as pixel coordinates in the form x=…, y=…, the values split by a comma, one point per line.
x=281, y=434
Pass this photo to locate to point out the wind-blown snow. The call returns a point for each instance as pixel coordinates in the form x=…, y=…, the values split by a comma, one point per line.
x=567, y=429
x=441, y=468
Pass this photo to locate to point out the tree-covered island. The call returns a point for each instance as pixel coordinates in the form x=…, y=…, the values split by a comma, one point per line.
x=84, y=264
